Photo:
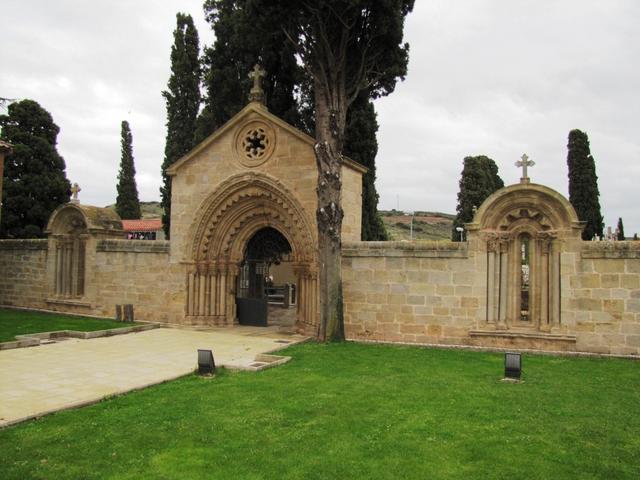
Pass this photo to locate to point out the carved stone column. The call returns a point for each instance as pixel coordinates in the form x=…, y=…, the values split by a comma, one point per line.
x=504, y=290
x=544, y=244
x=58, y=267
x=68, y=267
x=313, y=298
x=230, y=283
x=493, y=278
x=302, y=278
x=555, y=285
x=81, y=264
x=190, y=293
x=224, y=296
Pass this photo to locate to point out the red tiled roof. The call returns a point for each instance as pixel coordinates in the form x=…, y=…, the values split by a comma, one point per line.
x=142, y=225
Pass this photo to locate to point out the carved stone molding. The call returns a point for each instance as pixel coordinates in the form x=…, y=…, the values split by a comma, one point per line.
x=497, y=242
x=525, y=215
x=545, y=239
x=242, y=205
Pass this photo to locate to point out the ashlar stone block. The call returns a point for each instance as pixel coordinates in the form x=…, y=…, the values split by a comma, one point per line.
x=610, y=280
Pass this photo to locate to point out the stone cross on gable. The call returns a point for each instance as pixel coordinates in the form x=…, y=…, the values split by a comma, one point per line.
x=75, y=189
x=256, y=94
x=524, y=162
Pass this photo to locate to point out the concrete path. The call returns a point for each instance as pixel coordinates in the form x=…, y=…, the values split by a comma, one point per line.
x=73, y=372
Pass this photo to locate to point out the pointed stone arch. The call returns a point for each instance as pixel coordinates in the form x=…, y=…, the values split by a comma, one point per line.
x=226, y=220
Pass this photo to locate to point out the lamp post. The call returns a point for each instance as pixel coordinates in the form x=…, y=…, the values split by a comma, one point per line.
x=413, y=214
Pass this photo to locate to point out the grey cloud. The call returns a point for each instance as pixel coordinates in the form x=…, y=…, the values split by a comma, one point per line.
x=485, y=77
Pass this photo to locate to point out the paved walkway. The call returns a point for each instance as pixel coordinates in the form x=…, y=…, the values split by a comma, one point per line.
x=39, y=380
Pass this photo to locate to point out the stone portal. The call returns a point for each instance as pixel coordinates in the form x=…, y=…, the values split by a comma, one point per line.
x=254, y=173
x=228, y=230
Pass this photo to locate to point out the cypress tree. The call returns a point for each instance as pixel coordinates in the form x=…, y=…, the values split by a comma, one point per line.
x=620, y=230
x=346, y=47
x=35, y=182
x=183, y=100
x=583, y=184
x=127, y=202
x=241, y=40
x=479, y=179
x=239, y=45
x=361, y=145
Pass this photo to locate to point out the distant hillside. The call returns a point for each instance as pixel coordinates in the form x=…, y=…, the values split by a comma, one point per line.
x=149, y=209
x=426, y=225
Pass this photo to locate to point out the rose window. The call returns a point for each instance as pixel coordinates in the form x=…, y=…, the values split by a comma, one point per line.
x=255, y=143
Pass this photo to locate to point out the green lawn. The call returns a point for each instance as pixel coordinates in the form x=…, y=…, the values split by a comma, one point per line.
x=19, y=322
x=344, y=411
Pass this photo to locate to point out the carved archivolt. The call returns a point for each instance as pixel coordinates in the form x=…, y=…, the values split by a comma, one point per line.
x=536, y=205
x=70, y=217
x=241, y=206
x=525, y=216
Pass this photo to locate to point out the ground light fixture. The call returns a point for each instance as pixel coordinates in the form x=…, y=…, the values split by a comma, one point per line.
x=206, y=365
x=512, y=365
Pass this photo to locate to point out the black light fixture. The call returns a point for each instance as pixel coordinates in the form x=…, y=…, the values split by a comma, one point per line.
x=512, y=365
x=206, y=365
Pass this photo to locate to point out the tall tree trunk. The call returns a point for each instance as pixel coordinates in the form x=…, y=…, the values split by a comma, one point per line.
x=330, y=125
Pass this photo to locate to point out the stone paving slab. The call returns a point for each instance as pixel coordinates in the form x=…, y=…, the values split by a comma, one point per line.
x=38, y=380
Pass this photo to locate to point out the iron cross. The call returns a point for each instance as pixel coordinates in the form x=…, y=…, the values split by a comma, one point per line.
x=524, y=163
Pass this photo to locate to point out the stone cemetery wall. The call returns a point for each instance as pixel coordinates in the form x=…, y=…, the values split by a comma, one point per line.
x=116, y=272
x=605, y=300
x=138, y=272
x=423, y=292
x=23, y=265
x=435, y=293
x=427, y=292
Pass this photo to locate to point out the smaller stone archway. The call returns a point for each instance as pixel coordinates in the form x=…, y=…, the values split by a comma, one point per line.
x=524, y=229
x=228, y=219
x=73, y=231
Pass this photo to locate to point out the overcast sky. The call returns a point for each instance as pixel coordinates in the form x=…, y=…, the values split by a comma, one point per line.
x=491, y=77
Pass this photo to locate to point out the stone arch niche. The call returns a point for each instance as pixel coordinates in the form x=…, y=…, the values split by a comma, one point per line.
x=524, y=229
x=73, y=231
x=241, y=206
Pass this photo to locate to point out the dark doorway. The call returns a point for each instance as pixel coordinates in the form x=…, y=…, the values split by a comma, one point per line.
x=265, y=248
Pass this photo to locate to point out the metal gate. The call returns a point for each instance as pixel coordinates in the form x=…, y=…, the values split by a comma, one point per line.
x=266, y=247
x=251, y=302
